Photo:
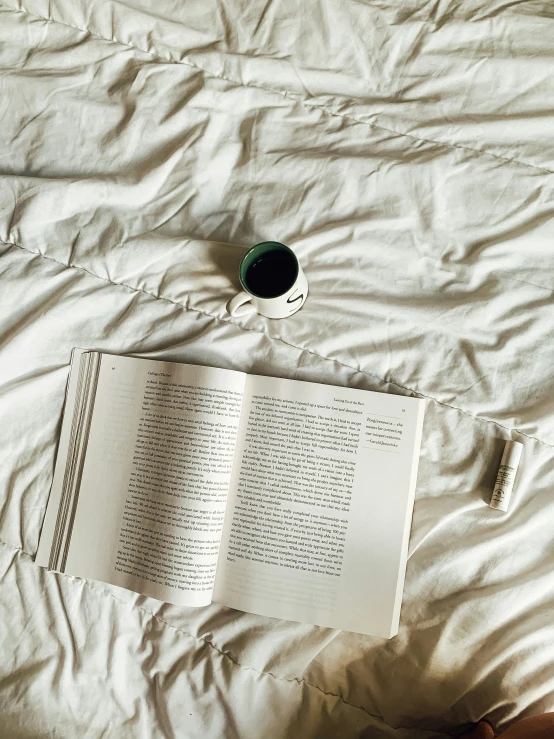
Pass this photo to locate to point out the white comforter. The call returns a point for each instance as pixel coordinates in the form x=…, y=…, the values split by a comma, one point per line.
x=405, y=150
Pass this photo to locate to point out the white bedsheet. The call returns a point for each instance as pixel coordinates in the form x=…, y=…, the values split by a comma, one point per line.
x=406, y=152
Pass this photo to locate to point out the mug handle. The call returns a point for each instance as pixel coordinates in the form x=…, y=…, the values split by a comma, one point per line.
x=236, y=306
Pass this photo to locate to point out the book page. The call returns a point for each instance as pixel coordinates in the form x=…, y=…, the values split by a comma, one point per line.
x=320, y=505
x=156, y=475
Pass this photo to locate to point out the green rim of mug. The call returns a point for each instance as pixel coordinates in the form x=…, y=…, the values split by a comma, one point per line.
x=254, y=253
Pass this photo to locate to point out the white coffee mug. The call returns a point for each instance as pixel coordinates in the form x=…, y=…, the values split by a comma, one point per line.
x=274, y=284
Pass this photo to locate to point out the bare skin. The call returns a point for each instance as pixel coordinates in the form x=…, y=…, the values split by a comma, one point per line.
x=533, y=727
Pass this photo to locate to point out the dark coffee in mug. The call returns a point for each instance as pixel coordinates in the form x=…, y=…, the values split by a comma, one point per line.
x=271, y=274
x=273, y=282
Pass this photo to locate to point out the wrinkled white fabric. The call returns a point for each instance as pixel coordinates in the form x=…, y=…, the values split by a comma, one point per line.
x=406, y=152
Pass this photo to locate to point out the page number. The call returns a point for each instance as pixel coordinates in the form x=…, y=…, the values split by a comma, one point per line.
x=403, y=410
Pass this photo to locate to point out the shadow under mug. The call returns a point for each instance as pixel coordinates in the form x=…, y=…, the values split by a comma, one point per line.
x=259, y=286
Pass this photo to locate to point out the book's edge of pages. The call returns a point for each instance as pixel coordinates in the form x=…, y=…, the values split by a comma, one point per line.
x=395, y=624
x=42, y=557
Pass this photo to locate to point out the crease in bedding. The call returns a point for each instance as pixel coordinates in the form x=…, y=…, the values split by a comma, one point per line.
x=94, y=587
x=405, y=153
x=284, y=93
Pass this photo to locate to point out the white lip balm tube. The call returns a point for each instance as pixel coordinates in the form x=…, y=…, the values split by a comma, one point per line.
x=506, y=475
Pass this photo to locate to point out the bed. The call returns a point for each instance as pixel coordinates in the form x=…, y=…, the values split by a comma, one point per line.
x=405, y=151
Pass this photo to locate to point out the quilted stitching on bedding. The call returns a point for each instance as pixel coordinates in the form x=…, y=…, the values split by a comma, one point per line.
x=406, y=153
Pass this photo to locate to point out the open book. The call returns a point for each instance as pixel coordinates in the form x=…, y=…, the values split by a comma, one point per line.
x=195, y=485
